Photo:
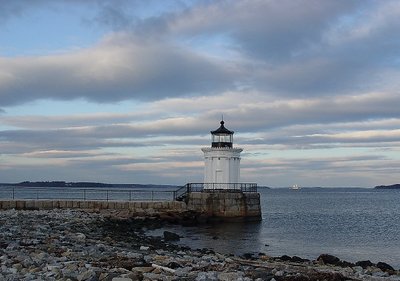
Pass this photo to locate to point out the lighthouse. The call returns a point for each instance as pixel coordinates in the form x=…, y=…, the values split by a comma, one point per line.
x=221, y=197
x=222, y=160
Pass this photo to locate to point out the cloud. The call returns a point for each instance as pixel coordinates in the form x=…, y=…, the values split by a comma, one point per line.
x=268, y=30
x=309, y=87
x=10, y=9
x=114, y=15
x=281, y=49
x=118, y=69
x=309, y=123
x=303, y=48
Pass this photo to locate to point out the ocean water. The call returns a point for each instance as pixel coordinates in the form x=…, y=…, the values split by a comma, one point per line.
x=352, y=224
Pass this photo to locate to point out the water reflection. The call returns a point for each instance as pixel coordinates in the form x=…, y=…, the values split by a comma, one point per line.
x=228, y=238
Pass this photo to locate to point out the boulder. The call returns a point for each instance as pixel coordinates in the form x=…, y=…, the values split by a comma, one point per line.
x=248, y=256
x=346, y=264
x=285, y=258
x=173, y=265
x=384, y=266
x=297, y=259
x=365, y=264
x=328, y=259
x=229, y=276
x=170, y=236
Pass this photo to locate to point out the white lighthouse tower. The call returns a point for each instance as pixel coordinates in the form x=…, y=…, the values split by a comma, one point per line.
x=222, y=161
x=221, y=197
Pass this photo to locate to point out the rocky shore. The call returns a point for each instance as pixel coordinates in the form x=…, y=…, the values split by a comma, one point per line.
x=79, y=245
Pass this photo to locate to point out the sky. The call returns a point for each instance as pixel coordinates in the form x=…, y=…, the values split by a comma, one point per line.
x=127, y=91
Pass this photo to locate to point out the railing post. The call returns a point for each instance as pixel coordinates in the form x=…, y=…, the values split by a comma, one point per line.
x=84, y=195
x=152, y=195
x=107, y=194
x=130, y=195
x=13, y=193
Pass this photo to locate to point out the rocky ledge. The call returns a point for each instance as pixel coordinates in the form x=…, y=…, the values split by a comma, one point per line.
x=77, y=245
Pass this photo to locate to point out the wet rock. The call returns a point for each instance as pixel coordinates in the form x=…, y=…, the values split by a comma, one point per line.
x=328, y=259
x=170, y=236
x=152, y=276
x=181, y=272
x=248, y=256
x=80, y=237
x=298, y=259
x=261, y=274
x=345, y=264
x=379, y=274
x=87, y=275
x=207, y=276
x=135, y=276
x=285, y=258
x=230, y=276
x=144, y=269
x=365, y=264
x=173, y=265
x=384, y=267
x=108, y=276
x=358, y=269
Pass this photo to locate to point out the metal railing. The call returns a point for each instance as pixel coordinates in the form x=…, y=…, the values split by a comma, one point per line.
x=107, y=194
x=214, y=187
x=85, y=194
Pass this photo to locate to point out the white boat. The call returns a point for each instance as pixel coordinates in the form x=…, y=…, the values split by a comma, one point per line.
x=295, y=187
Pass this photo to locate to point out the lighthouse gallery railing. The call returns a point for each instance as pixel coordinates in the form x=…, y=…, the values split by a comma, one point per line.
x=214, y=187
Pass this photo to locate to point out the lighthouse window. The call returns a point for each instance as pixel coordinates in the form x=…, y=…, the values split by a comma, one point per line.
x=222, y=138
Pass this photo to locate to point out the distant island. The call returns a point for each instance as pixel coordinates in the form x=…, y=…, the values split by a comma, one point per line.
x=393, y=186
x=79, y=184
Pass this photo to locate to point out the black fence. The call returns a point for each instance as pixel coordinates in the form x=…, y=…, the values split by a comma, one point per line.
x=214, y=187
x=86, y=194
x=114, y=194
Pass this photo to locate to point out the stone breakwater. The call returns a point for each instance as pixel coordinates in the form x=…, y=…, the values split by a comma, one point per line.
x=129, y=207
x=64, y=244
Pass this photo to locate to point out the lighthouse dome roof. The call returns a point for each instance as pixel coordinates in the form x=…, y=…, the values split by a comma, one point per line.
x=222, y=130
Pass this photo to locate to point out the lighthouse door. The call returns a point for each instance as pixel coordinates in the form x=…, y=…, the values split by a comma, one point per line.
x=218, y=179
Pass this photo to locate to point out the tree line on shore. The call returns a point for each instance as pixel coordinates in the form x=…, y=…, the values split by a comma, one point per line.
x=392, y=186
x=80, y=184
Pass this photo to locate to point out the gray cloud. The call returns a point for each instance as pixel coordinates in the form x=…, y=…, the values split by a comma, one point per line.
x=315, y=123
x=283, y=49
x=10, y=9
x=111, y=72
x=290, y=76
x=114, y=15
x=298, y=48
x=268, y=30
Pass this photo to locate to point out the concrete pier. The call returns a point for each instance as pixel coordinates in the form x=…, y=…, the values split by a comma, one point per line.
x=226, y=206
x=131, y=207
x=206, y=206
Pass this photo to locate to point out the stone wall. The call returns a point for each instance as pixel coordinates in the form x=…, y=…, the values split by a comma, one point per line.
x=133, y=207
x=226, y=205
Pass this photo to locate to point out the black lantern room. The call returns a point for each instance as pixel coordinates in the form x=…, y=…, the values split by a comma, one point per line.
x=222, y=137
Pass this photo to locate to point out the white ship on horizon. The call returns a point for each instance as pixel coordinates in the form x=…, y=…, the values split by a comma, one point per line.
x=295, y=187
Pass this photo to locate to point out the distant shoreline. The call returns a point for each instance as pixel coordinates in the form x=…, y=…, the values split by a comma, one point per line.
x=393, y=186
x=81, y=184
